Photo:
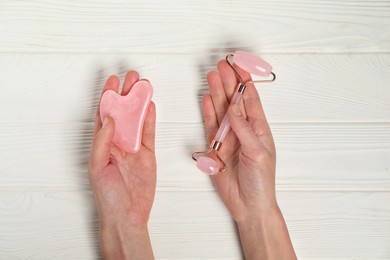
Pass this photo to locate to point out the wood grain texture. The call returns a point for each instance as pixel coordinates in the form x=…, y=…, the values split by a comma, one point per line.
x=309, y=88
x=178, y=26
x=329, y=111
x=47, y=225
x=311, y=156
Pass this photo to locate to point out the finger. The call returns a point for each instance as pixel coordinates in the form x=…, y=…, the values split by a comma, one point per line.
x=111, y=83
x=130, y=78
x=149, y=130
x=210, y=117
x=217, y=94
x=228, y=78
x=100, y=154
x=243, y=130
x=245, y=76
x=254, y=111
x=211, y=125
x=98, y=122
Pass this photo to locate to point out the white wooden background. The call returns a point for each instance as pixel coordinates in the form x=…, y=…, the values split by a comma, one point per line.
x=329, y=111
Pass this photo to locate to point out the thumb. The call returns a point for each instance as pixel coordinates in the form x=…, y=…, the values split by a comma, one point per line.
x=101, y=147
x=243, y=130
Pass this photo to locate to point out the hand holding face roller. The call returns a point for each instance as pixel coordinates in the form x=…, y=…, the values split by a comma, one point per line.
x=254, y=65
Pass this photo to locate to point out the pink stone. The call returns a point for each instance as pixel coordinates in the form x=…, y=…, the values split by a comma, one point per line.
x=207, y=165
x=252, y=63
x=129, y=113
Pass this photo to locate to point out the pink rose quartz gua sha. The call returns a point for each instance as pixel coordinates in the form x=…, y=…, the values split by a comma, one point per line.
x=128, y=113
x=254, y=65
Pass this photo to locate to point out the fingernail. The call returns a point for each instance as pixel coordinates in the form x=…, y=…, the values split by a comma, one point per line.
x=105, y=122
x=236, y=110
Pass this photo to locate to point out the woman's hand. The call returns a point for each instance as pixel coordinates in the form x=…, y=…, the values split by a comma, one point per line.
x=123, y=184
x=247, y=187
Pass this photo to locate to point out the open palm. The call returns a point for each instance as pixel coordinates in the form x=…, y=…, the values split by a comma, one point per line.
x=248, y=151
x=123, y=183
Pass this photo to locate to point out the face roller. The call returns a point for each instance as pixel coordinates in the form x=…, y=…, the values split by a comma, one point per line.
x=253, y=65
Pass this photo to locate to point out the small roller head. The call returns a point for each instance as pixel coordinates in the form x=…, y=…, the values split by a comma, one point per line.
x=207, y=165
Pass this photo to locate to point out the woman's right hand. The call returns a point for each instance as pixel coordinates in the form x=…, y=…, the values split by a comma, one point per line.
x=247, y=187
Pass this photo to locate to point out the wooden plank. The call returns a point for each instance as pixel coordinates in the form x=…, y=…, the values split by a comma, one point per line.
x=66, y=88
x=335, y=222
x=186, y=26
x=56, y=224
x=311, y=156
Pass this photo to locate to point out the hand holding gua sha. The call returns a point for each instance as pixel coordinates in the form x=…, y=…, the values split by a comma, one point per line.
x=128, y=113
x=251, y=64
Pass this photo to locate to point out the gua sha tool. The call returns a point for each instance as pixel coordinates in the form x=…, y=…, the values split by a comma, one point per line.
x=128, y=113
x=254, y=65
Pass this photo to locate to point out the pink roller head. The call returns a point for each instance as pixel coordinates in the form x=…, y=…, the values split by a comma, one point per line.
x=252, y=63
x=129, y=113
x=207, y=165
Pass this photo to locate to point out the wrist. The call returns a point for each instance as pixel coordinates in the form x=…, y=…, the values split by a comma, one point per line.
x=124, y=241
x=256, y=206
x=122, y=219
x=258, y=215
x=122, y=228
x=265, y=236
